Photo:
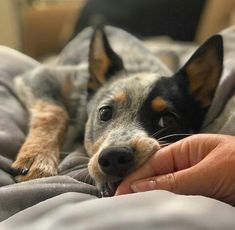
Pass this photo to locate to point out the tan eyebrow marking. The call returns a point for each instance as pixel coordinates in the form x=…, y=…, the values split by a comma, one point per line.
x=158, y=104
x=121, y=97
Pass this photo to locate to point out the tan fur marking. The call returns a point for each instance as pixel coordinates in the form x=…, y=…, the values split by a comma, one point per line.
x=40, y=152
x=96, y=145
x=202, y=87
x=67, y=87
x=94, y=170
x=99, y=61
x=93, y=85
x=102, y=64
x=144, y=145
x=121, y=97
x=93, y=147
x=158, y=104
x=49, y=121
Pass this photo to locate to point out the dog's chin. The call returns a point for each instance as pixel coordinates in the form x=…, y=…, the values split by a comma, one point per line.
x=109, y=188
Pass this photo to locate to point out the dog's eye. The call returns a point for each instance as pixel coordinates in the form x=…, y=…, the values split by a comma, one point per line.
x=168, y=120
x=105, y=113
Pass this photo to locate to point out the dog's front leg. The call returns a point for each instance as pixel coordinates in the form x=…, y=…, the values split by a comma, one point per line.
x=39, y=155
x=42, y=95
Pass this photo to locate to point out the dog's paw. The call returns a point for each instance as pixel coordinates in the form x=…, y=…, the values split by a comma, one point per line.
x=34, y=166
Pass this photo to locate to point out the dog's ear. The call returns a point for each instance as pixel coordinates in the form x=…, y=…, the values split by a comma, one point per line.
x=203, y=70
x=103, y=61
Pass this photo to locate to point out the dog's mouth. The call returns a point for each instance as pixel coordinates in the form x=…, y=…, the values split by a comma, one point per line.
x=109, y=188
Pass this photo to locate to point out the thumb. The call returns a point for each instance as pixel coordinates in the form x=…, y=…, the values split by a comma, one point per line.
x=183, y=156
x=186, y=182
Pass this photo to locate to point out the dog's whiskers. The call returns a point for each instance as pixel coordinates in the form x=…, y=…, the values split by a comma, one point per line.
x=139, y=124
x=159, y=132
x=174, y=135
x=165, y=144
x=89, y=180
x=85, y=179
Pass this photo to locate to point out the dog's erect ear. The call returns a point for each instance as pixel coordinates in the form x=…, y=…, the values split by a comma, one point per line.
x=203, y=71
x=103, y=61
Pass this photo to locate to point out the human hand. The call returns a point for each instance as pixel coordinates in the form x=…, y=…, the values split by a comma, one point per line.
x=202, y=164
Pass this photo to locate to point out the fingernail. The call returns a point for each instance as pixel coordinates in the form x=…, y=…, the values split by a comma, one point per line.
x=121, y=192
x=144, y=186
x=117, y=193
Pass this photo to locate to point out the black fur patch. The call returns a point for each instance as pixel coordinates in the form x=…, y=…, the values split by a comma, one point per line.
x=188, y=113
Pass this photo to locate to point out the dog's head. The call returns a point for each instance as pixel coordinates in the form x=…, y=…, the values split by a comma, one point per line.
x=131, y=115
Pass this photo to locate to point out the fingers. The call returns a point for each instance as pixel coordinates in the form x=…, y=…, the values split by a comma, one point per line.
x=190, y=181
x=166, y=160
x=177, y=182
x=176, y=157
x=151, y=168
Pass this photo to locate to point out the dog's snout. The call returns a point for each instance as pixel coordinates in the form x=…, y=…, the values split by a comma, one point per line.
x=116, y=161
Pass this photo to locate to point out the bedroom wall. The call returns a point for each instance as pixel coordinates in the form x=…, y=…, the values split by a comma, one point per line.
x=9, y=24
x=37, y=27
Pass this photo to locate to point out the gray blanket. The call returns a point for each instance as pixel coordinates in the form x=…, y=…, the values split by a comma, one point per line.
x=69, y=200
x=73, y=176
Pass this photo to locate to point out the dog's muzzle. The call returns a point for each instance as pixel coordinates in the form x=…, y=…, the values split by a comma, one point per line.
x=116, y=161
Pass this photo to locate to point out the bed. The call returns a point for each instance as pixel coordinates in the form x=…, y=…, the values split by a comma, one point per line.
x=70, y=200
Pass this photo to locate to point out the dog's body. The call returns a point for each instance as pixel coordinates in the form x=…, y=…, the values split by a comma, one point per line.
x=127, y=104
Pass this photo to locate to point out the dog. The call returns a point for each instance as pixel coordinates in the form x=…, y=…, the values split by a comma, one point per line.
x=127, y=115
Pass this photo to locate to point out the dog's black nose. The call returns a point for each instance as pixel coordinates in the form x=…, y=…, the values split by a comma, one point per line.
x=116, y=161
